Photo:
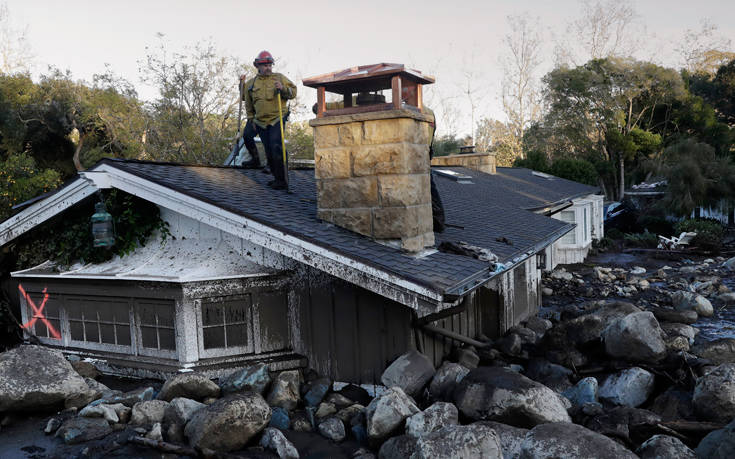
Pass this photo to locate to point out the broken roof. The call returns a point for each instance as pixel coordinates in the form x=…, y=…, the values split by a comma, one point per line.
x=239, y=202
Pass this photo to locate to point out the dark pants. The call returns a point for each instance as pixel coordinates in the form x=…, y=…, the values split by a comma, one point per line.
x=271, y=138
x=248, y=136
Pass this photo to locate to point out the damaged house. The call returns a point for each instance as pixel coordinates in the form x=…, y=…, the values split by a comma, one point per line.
x=343, y=274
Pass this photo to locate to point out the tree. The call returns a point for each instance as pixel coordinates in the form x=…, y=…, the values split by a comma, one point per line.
x=598, y=109
x=194, y=119
x=520, y=95
x=15, y=51
x=499, y=138
x=696, y=176
x=604, y=29
x=703, y=51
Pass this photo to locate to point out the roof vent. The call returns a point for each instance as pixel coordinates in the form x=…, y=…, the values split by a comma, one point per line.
x=456, y=176
x=541, y=174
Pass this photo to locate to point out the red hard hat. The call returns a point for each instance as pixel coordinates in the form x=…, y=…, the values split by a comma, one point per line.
x=264, y=57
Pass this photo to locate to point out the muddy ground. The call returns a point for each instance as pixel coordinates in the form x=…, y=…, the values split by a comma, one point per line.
x=23, y=437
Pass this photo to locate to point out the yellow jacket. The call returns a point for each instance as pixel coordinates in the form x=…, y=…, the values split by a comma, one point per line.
x=259, y=95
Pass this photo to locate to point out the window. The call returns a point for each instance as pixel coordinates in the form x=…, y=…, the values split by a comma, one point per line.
x=102, y=322
x=586, y=226
x=156, y=323
x=225, y=323
x=571, y=237
x=47, y=311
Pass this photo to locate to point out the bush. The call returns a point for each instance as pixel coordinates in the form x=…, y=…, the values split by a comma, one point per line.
x=709, y=233
x=656, y=224
x=644, y=240
x=577, y=170
x=614, y=234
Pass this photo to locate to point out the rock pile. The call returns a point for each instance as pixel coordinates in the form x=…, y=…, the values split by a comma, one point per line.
x=603, y=378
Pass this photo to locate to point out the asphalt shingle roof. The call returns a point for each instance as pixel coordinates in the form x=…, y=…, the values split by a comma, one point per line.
x=472, y=207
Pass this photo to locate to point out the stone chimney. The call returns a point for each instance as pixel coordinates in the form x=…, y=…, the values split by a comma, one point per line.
x=372, y=161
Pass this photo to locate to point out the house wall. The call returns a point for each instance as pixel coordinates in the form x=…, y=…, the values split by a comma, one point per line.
x=586, y=214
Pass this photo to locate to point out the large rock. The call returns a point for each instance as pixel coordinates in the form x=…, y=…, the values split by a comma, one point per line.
x=148, y=413
x=411, y=372
x=333, y=429
x=112, y=413
x=317, y=390
x=549, y=374
x=229, y=423
x=585, y=391
x=630, y=387
x=181, y=409
x=718, y=351
x=387, y=412
x=499, y=394
x=624, y=422
x=400, y=447
x=671, y=315
x=459, y=442
x=673, y=405
x=141, y=394
x=729, y=264
x=570, y=441
x=189, y=385
x=445, y=380
x=663, y=447
x=438, y=415
x=686, y=301
x=510, y=438
x=714, y=394
x=719, y=444
x=37, y=378
x=674, y=329
x=81, y=429
x=285, y=390
x=588, y=327
x=635, y=337
x=274, y=439
x=254, y=378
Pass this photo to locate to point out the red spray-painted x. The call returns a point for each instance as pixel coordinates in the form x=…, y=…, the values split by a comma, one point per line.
x=38, y=313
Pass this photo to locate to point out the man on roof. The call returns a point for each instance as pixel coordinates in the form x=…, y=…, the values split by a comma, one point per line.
x=261, y=105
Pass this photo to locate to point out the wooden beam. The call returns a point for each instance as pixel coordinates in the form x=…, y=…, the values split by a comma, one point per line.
x=321, y=102
x=348, y=100
x=395, y=85
x=419, y=97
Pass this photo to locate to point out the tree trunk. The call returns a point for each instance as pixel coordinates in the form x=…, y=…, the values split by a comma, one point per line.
x=622, y=178
x=77, y=151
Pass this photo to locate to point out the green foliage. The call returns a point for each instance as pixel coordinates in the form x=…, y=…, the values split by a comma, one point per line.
x=535, y=160
x=447, y=145
x=696, y=176
x=300, y=140
x=68, y=238
x=578, y=170
x=20, y=180
x=644, y=240
x=615, y=234
x=709, y=233
x=656, y=224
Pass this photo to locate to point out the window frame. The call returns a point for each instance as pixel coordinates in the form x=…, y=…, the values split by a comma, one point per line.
x=248, y=348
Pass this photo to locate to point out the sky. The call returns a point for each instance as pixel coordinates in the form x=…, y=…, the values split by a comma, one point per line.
x=451, y=40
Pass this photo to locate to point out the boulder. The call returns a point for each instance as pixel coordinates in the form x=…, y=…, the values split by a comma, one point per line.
x=689, y=301
x=333, y=429
x=718, y=351
x=510, y=438
x=446, y=379
x=719, y=444
x=285, y=390
x=588, y=327
x=673, y=329
x=670, y=315
x=570, y=441
x=189, y=385
x=538, y=325
x=561, y=273
x=729, y=264
x=142, y=394
x=254, y=378
x=674, y=405
x=499, y=394
x=82, y=429
x=156, y=432
x=636, y=337
x=411, y=372
x=355, y=393
x=630, y=387
x=625, y=422
x=347, y=414
x=181, y=409
x=663, y=447
x=387, y=412
x=511, y=344
x=324, y=410
x=400, y=447
x=467, y=357
x=549, y=374
x=714, y=394
x=727, y=297
x=339, y=400
x=229, y=423
x=86, y=369
x=148, y=413
x=455, y=442
x=300, y=421
x=585, y=391
x=34, y=378
x=274, y=440
x=438, y=415
x=111, y=413
x=280, y=418
x=317, y=391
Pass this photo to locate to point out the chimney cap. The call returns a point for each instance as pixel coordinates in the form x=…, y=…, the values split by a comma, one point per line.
x=361, y=78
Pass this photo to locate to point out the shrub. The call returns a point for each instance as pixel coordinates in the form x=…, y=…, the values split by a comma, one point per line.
x=614, y=234
x=709, y=233
x=645, y=240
